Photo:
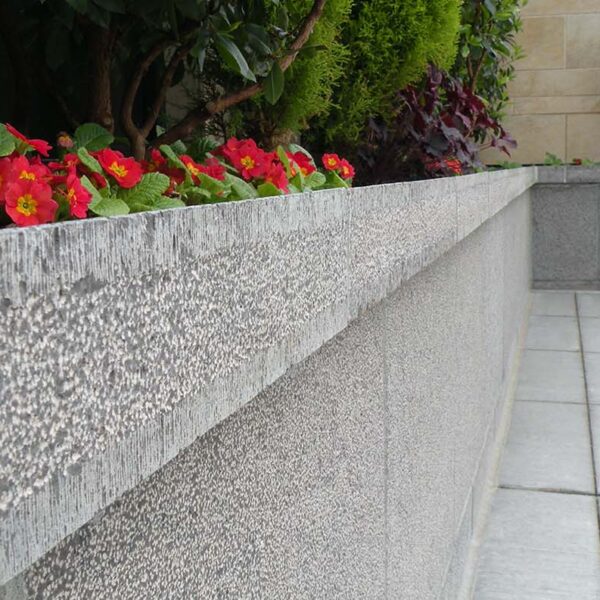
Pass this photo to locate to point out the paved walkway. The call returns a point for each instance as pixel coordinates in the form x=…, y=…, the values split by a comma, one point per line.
x=543, y=540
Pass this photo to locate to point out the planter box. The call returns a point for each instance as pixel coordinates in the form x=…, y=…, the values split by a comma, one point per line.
x=566, y=228
x=237, y=398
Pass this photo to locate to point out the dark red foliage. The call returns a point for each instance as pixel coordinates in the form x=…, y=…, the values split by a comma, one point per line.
x=439, y=129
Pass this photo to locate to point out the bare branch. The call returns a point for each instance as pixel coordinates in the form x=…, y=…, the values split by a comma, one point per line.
x=127, y=121
x=198, y=116
x=166, y=82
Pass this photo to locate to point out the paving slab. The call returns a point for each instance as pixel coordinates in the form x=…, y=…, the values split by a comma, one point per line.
x=552, y=333
x=595, y=427
x=556, y=304
x=552, y=376
x=590, y=334
x=548, y=447
x=588, y=304
x=592, y=376
x=540, y=546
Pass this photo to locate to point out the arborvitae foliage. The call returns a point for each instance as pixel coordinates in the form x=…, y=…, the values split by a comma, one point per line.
x=390, y=45
x=309, y=82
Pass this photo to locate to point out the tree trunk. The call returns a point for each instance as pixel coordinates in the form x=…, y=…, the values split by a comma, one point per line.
x=100, y=99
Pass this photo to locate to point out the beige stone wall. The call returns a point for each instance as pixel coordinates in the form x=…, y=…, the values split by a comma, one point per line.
x=556, y=95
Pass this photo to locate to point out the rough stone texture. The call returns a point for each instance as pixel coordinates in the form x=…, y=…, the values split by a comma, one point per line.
x=352, y=476
x=566, y=232
x=302, y=493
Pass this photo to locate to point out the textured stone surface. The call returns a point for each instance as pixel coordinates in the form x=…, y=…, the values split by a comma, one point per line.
x=565, y=235
x=308, y=475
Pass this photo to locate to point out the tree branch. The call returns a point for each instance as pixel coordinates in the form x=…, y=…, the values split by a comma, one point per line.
x=129, y=126
x=167, y=79
x=200, y=115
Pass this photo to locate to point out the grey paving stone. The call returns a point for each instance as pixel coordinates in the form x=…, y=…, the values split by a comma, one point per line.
x=595, y=425
x=551, y=376
x=557, y=304
x=588, y=304
x=531, y=574
x=552, y=333
x=592, y=375
x=548, y=447
x=590, y=334
x=540, y=546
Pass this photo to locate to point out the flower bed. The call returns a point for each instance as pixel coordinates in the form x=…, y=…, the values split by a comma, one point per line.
x=91, y=179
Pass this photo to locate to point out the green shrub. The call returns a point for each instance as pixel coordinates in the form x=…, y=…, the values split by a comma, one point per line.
x=309, y=82
x=488, y=49
x=390, y=45
x=311, y=78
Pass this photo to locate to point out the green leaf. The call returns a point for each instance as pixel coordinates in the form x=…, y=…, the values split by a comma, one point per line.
x=115, y=6
x=233, y=57
x=89, y=186
x=93, y=137
x=333, y=180
x=164, y=203
x=197, y=195
x=109, y=207
x=490, y=5
x=101, y=205
x=88, y=160
x=214, y=186
x=148, y=191
x=242, y=189
x=266, y=190
x=285, y=161
x=81, y=6
x=315, y=180
x=7, y=141
x=273, y=85
x=179, y=147
x=172, y=156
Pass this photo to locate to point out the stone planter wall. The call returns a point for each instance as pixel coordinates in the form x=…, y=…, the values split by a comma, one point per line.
x=283, y=398
x=566, y=228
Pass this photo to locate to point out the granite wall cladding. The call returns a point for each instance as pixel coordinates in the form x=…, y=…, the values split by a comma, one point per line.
x=566, y=229
x=113, y=367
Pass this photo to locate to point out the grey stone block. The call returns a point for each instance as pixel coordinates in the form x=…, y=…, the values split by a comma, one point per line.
x=565, y=234
x=583, y=174
x=552, y=174
x=473, y=202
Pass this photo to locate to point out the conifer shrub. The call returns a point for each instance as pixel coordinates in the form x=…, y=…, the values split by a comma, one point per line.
x=390, y=46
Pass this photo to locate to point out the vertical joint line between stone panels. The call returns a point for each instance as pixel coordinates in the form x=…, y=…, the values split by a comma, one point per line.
x=386, y=462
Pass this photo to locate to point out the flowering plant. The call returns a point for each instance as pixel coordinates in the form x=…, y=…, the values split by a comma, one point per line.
x=91, y=179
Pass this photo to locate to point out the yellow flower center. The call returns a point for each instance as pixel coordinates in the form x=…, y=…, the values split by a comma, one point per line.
x=27, y=175
x=71, y=197
x=248, y=162
x=193, y=170
x=331, y=162
x=118, y=170
x=27, y=205
x=304, y=171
